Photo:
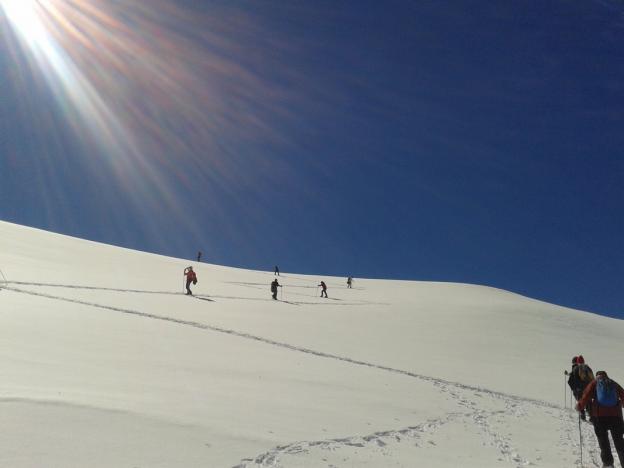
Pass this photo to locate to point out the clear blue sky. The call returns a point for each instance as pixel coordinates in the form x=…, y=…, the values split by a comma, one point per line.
x=468, y=141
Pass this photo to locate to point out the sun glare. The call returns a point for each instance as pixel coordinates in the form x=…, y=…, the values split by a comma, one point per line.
x=25, y=17
x=144, y=90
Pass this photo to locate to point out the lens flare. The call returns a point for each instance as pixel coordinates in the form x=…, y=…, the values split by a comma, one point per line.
x=25, y=17
x=159, y=96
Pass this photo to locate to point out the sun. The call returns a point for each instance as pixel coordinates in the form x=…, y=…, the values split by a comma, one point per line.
x=25, y=17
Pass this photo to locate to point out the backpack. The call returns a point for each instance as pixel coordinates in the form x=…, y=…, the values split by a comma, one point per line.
x=606, y=393
x=585, y=373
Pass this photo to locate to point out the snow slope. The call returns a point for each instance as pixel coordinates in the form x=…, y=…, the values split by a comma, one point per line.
x=106, y=363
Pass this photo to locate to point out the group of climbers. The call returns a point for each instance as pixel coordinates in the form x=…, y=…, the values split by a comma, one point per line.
x=191, y=277
x=601, y=398
x=275, y=284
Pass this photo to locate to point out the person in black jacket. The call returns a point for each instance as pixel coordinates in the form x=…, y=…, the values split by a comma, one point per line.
x=274, y=286
x=579, y=378
x=323, y=288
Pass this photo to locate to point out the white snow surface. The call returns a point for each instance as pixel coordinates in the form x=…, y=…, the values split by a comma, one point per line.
x=106, y=363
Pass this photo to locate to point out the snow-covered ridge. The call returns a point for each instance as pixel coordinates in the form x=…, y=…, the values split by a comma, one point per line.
x=102, y=341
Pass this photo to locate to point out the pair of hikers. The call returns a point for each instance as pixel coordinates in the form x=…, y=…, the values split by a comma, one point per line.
x=603, y=399
x=275, y=284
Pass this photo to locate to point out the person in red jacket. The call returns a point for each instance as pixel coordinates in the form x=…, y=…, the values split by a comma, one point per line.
x=605, y=397
x=191, y=277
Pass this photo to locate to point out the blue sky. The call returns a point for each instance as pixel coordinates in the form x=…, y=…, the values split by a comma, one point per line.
x=476, y=142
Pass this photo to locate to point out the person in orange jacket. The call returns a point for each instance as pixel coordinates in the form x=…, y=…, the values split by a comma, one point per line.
x=191, y=277
x=605, y=397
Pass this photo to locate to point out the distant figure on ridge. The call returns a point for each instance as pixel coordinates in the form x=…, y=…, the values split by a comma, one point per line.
x=349, y=282
x=190, y=277
x=580, y=377
x=199, y=256
x=276, y=270
x=274, y=286
x=605, y=398
x=323, y=288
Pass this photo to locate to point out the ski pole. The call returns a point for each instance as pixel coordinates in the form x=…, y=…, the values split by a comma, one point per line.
x=565, y=395
x=580, y=437
x=282, y=293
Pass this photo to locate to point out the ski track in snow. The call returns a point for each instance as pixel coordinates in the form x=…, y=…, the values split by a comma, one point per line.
x=467, y=398
x=203, y=296
x=205, y=326
x=96, y=288
x=378, y=440
x=463, y=395
x=481, y=419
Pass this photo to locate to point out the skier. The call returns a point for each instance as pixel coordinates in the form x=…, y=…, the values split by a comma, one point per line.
x=605, y=397
x=276, y=270
x=199, y=256
x=323, y=288
x=274, y=286
x=190, y=277
x=349, y=282
x=580, y=377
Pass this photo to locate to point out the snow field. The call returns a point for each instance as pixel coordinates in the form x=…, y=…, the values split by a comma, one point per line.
x=106, y=363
